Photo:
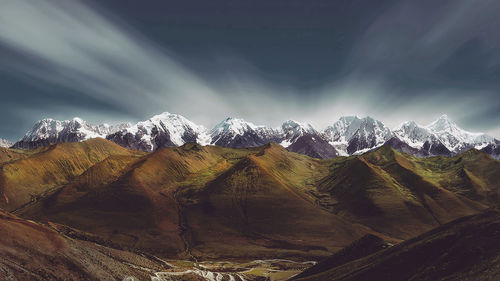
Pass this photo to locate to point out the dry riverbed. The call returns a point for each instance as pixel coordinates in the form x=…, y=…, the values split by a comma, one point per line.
x=273, y=270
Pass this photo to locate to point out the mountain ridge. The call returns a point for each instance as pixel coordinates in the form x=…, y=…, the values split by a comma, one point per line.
x=350, y=135
x=463, y=249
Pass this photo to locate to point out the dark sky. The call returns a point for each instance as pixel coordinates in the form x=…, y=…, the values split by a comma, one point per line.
x=265, y=61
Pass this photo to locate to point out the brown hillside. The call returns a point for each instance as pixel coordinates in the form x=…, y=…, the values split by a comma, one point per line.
x=31, y=251
x=198, y=202
x=26, y=179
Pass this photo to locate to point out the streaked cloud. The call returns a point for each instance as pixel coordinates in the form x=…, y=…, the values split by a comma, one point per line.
x=71, y=44
x=395, y=71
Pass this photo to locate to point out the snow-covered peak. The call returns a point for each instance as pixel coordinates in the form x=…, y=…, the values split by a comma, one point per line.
x=235, y=132
x=407, y=125
x=5, y=143
x=48, y=130
x=176, y=123
x=444, y=131
x=294, y=127
x=351, y=134
x=44, y=129
x=342, y=128
x=170, y=117
x=82, y=128
x=414, y=134
x=234, y=126
x=78, y=120
x=291, y=130
x=106, y=129
x=177, y=128
x=348, y=126
x=454, y=137
x=411, y=128
x=443, y=123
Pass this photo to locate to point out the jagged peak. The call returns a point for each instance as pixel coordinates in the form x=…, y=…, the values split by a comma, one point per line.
x=292, y=122
x=167, y=114
x=166, y=117
x=236, y=125
x=445, y=126
x=354, y=119
x=295, y=125
x=348, y=126
x=442, y=123
x=410, y=124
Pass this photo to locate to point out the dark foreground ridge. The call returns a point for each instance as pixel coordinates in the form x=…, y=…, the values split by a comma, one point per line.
x=464, y=249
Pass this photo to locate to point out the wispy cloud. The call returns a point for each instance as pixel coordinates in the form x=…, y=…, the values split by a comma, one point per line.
x=78, y=47
x=82, y=47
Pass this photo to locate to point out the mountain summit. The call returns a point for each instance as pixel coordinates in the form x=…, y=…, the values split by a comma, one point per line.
x=238, y=133
x=354, y=135
x=159, y=131
x=5, y=143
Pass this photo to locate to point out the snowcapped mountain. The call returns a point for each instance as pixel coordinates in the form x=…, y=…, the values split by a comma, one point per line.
x=441, y=137
x=304, y=139
x=492, y=149
x=47, y=131
x=347, y=136
x=422, y=140
x=238, y=133
x=5, y=143
x=295, y=136
x=106, y=129
x=454, y=138
x=354, y=135
x=292, y=130
x=159, y=131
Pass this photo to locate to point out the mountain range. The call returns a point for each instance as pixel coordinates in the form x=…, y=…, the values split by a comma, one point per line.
x=95, y=205
x=349, y=135
x=48, y=131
